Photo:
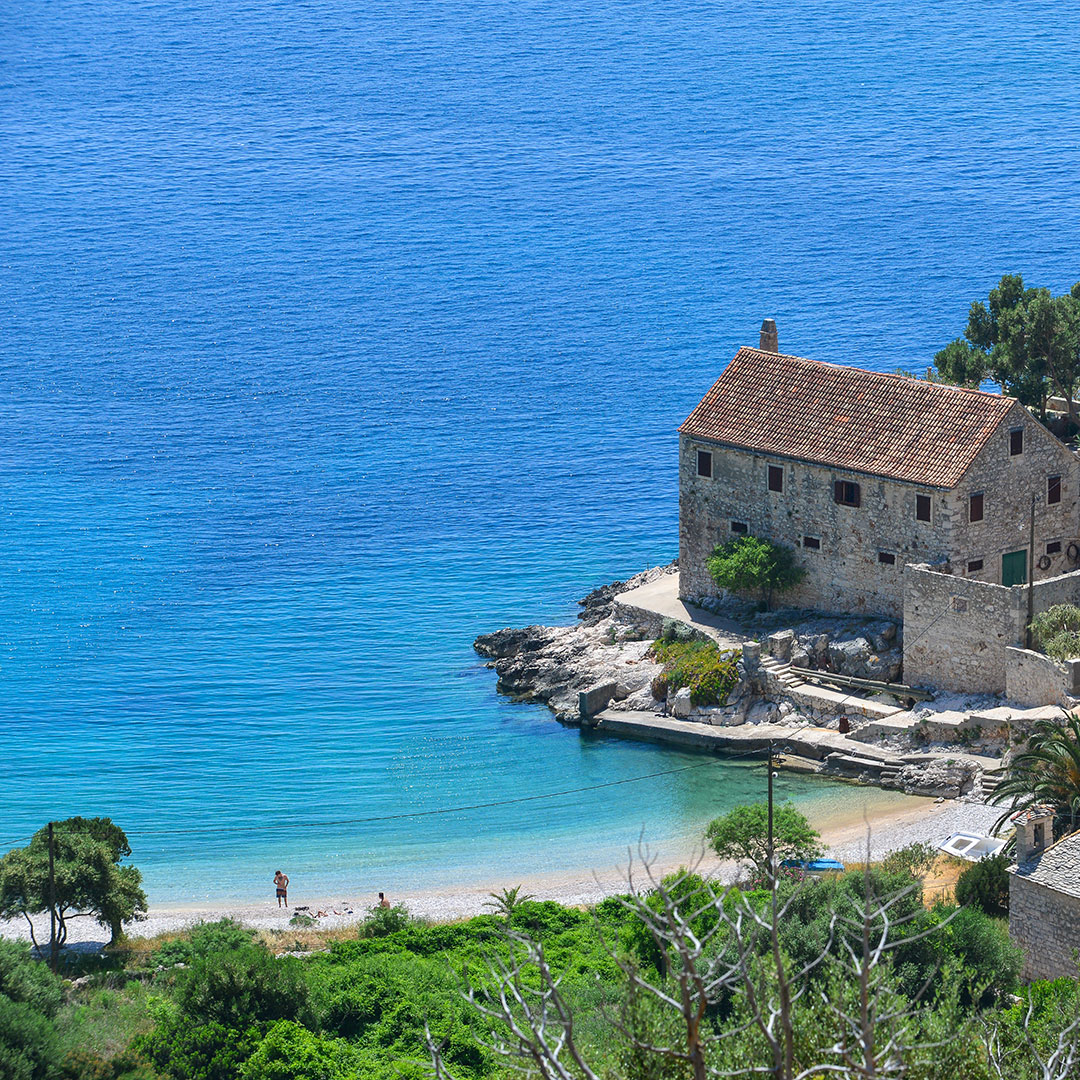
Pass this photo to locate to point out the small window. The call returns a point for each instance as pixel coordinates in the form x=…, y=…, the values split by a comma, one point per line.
x=886, y=557
x=1016, y=441
x=776, y=478
x=846, y=493
x=975, y=507
x=922, y=507
x=740, y=527
x=1053, y=489
x=704, y=463
x=811, y=542
x=975, y=566
x=1054, y=547
x=958, y=604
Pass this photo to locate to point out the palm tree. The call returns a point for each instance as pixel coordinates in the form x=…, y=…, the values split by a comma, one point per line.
x=505, y=902
x=1047, y=771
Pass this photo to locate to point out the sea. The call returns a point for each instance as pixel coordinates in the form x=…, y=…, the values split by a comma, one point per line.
x=333, y=334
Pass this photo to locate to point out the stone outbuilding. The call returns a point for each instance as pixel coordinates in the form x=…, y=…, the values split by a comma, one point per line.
x=1044, y=896
x=864, y=473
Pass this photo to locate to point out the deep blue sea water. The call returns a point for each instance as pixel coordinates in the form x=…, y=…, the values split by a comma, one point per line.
x=333, y=334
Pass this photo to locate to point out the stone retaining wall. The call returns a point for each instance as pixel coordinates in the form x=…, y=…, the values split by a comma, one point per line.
x=957, y=630
x=1034, y=679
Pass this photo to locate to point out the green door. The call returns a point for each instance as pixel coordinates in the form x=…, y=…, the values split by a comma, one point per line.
x=1014, y=568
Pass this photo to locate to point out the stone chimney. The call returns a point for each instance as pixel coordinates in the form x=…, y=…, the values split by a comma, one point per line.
x=768, y=341
x=1034, y=832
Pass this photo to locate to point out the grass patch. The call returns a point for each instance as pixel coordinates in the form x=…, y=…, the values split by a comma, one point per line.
x=708, y=671
x=103, y=1021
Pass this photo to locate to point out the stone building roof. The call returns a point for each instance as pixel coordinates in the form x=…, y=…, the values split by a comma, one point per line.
x=847, y=418
x=1058, y=867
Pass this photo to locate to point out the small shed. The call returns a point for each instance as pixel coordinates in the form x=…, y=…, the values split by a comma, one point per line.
x=1044, y=896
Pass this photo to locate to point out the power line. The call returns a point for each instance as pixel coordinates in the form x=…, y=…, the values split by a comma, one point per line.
x=136, y=832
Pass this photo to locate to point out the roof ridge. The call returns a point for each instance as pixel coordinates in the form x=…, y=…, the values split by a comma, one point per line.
x=879, y=374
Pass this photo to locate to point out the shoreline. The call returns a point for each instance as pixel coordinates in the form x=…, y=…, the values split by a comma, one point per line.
x=844, y=835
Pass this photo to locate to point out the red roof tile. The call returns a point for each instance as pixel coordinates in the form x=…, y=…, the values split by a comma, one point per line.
x=847, y=418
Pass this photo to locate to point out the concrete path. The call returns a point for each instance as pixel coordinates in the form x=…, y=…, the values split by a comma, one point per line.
x=661, y=597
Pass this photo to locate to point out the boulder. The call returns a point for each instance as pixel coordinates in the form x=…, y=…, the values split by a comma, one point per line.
x=681, y=704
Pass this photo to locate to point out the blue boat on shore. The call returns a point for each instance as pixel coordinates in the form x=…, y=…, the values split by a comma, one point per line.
x=812, y=866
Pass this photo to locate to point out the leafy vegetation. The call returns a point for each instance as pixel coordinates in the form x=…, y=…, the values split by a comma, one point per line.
x=985, y=885
x=89, y=877
x=218, y=1003
x=1046, y=771
x=751, y=565
x=709, y=671
x=1057, y=631
x=1024, y=339
x=743, y=834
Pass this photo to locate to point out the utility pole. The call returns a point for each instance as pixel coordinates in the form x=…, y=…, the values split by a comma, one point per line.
x=54, y=945
x=772, y=866
x=1030, y=576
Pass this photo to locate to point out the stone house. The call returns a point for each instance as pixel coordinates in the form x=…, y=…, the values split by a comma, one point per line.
x=1044, y=896
x=863, y=473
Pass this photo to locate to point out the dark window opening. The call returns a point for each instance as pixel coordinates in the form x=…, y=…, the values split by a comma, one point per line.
x=1016, y=441
x=1053, y=489
x=740, y=527
x=704, y=463
x=1054, y=547
x=975, y=566
x=975, y=507
x=922, y=507
x=811, y=542
x=776, y=478
x=846, y=493
x=886, y=557
x=1040, y=835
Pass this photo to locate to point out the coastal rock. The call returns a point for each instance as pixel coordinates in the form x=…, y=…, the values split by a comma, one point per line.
x=945, y=778
x=599, y=604
x=681, y=704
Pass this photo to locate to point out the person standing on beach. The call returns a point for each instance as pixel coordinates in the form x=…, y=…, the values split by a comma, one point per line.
x=383, y=902
x=281, y=883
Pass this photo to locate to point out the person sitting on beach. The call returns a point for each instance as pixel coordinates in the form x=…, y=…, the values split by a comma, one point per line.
x=383, y=902
x=281, y=883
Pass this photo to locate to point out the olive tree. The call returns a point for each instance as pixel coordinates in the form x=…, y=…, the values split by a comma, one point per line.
x=749, y=564
x=89, y=880
x=743, y=834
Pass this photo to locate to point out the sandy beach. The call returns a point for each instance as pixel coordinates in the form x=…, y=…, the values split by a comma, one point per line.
x=844, y=835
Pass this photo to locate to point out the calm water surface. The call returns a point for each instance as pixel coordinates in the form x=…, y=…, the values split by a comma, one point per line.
x=333, y=334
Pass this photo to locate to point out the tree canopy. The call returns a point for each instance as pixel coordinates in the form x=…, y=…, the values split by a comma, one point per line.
x=749, y=564
x=743, y=834
x=1046, y=771
x=89, y=878
x=1026, y=340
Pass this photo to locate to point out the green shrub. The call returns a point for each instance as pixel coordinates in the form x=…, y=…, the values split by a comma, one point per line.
x=914, y=860
x=291, y=1052
x=188, y=1049
x=243, y=986
x=1057, y=631
x=710, y=672
x=30, y=997
x=202, y=940
x=749, y=564
x=24, y=979
x=382, y=922
x=985, y=885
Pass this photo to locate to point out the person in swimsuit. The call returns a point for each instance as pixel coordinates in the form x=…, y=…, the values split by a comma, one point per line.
x=281, y=883
x=383, y=902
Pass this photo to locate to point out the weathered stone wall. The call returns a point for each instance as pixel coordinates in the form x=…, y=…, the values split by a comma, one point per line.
x=844, y=574
x=1034, y=679
x=1008, y=482
x=1045, y=923
x=956, y=630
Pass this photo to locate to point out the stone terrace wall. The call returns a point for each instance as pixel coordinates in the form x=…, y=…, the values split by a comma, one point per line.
x=1034, y=679
x=1043, y=922
x=956, y=630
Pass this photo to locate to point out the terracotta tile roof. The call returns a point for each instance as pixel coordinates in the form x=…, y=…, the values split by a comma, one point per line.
x=847, y=418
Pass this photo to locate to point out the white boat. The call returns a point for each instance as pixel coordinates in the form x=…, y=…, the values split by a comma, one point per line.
x=971, y=846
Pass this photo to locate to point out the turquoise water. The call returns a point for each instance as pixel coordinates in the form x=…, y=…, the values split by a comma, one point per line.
x=334, y=334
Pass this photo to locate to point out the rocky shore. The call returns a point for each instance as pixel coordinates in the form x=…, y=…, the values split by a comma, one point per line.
x=947, y=747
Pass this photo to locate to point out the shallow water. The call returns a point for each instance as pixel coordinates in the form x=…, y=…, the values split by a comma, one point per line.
x=336, y=334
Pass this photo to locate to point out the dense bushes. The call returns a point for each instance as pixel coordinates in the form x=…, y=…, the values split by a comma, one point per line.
x=985, y=885
x=708, y=671
x=1057, y=631
x=30, y=997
